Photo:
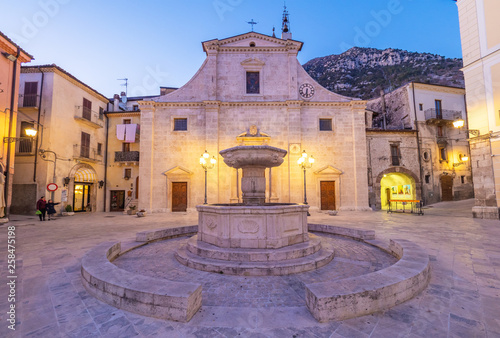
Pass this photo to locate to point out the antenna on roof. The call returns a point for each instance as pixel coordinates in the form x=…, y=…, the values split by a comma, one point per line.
x=124, y=84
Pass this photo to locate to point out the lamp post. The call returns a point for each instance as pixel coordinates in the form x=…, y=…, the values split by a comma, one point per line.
x=305, y=162
x=207, y=163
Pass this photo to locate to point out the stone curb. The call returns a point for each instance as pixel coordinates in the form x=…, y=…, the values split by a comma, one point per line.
x=376, y=291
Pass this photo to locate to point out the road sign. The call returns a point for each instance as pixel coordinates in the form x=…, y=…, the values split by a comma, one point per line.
x=51, y=187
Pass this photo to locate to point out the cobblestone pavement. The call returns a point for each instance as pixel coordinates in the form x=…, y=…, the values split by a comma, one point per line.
x=462, y=300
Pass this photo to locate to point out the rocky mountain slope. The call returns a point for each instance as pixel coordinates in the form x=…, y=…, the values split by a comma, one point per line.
x=364, y=72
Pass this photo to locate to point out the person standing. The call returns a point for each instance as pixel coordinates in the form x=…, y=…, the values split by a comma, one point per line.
x=50, y=208
x=42, y=206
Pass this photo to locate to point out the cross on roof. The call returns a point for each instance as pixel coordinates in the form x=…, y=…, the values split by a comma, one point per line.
x=252, y=23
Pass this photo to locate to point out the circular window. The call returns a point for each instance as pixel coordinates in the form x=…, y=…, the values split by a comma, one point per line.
x=426, y=156
x=252, y=44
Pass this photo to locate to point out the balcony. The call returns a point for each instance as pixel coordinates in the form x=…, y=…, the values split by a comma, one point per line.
x=28, y=102
x=25, y=147
x=126, y=156
x=89, y=117
x=442, y=116
x=86, y=154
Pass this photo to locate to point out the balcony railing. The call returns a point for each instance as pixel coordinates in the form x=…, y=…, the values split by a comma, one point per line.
x=443, y=114
x=88, y=154
x=28, y=101
x=25, y=146
x=126, y=156
x=89, y=117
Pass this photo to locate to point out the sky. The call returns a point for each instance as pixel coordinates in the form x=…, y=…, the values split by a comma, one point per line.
x=157, y=43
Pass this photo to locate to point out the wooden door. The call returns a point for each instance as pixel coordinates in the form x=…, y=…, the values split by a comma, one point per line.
x=179, y=196
x=327, y=195
x=117, y=201
x=446, y=188
x=137, y=187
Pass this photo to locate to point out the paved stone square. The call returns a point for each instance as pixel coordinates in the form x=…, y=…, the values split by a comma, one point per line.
x=462, y=300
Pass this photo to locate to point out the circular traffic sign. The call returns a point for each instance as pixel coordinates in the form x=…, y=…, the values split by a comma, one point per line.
x=51, y=187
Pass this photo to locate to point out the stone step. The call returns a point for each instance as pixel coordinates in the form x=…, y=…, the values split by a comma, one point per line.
x=273, y=268
x=299, y=250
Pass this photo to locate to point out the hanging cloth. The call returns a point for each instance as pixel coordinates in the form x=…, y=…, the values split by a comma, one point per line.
x=130, y=132
x=120, y=131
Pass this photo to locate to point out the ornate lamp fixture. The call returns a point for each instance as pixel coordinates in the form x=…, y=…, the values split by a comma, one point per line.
x=207, y=163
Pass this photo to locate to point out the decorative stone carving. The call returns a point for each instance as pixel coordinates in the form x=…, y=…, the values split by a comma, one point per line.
x=211, y=223
x=248, y=227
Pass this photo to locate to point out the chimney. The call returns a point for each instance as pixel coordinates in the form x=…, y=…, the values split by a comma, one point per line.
x=116, y=102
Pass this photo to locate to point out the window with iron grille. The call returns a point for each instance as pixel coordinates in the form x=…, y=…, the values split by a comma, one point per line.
x=87, y=109
x=325, y=124
x=180, y=124
x=85, y=145
x=99, y=149
x=395, y=154
x=101, y=113
x=25, y=144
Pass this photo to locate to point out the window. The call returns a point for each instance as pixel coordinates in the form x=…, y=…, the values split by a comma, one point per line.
x=439, y=110
x=181, y=124
x=325, y=124
x=99, y=149
x=442, y=154
x=395, y=154
x=85, y=145
x=125, y=147
x=462, y=179
x=253, y=83
x=420, y=106
x=25, y=145
x=101, y=113
x=87, y=109
x=426, y=156
x=427, y=179
x=127, y=173
x=30, y=91
x=136, y=107
x=252, y=44
x=127, y=121
x=440, y=131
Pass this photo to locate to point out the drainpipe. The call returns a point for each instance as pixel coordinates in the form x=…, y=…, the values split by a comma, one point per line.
x=8, y=178
x=106, y=161
x=468, y=147
x=418, y=146
x=38, y=125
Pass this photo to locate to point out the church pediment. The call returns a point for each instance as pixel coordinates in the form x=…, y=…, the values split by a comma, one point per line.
x=251, y=40
x=252, y=62
x=177, y=171
x=328, y=170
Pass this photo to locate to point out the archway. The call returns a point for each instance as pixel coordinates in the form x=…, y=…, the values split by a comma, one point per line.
x=399, y=184
x=82, y=190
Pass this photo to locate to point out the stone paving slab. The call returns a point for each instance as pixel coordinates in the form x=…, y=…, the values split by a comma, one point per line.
x=462, y=300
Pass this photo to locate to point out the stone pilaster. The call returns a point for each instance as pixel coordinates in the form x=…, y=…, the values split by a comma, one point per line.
x=294, y=184
x=212, y=146
x=147, y=154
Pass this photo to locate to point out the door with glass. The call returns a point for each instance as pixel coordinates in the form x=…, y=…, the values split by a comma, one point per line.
x=81, y=197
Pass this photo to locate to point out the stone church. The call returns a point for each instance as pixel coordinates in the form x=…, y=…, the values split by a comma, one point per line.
x=252, y=84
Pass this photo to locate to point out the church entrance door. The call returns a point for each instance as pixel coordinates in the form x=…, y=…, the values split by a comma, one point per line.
x=327, y=195
x=179, y=196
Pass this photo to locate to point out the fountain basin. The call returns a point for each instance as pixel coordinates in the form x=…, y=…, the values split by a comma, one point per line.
x=253, y=227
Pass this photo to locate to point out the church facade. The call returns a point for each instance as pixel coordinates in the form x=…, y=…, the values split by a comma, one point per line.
x=252, y=83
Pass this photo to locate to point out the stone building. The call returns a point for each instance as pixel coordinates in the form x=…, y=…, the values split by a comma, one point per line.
x=414, y=152
x=68, y=149
x=480, y=35
x=11, y=60
x=252, y=80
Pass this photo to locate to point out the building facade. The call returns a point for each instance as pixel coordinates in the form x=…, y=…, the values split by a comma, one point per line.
x=68, y=149
x=414, y=151
x=11, y=59
x=252, y=83
x=480, y=35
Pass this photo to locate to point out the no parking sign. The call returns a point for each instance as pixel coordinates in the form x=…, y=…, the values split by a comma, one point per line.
x=52, y=187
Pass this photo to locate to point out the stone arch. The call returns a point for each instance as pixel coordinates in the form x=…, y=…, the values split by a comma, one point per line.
x=71, y=185
x=413, y=178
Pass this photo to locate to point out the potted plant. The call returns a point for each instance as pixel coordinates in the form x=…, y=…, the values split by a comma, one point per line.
x=69, y=211
x=131, y=210
x=141, y=213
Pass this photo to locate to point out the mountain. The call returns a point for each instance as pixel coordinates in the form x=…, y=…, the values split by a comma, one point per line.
x=364, y=72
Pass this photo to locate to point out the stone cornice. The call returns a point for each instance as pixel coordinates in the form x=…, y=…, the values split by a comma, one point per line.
x=289, y=103
x=438, y=88
x=112, y=114
x=283, y=45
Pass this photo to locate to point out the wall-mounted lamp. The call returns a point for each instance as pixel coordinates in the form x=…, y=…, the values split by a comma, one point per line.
x=462, y=158
x=9, y=56
x=460, y=123
x=101, y=184
x=66, y=181
x=30, y=132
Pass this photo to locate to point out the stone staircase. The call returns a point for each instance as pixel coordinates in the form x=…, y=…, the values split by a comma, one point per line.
x=131, y=202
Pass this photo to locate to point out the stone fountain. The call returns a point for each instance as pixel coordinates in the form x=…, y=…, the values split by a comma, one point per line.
x=254, y=237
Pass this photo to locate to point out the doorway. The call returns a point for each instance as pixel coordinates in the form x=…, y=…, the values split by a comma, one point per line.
x=327, y=189
x=446, y=188
x=81, y=197
x=179, y=196
x=117, y=201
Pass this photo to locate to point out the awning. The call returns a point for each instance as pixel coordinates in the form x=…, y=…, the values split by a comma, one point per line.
x=85, y=175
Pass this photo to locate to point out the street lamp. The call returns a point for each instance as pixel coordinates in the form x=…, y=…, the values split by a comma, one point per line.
x=463, y=158
x=305, y=162
x=207, y=163
x=460, y=123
